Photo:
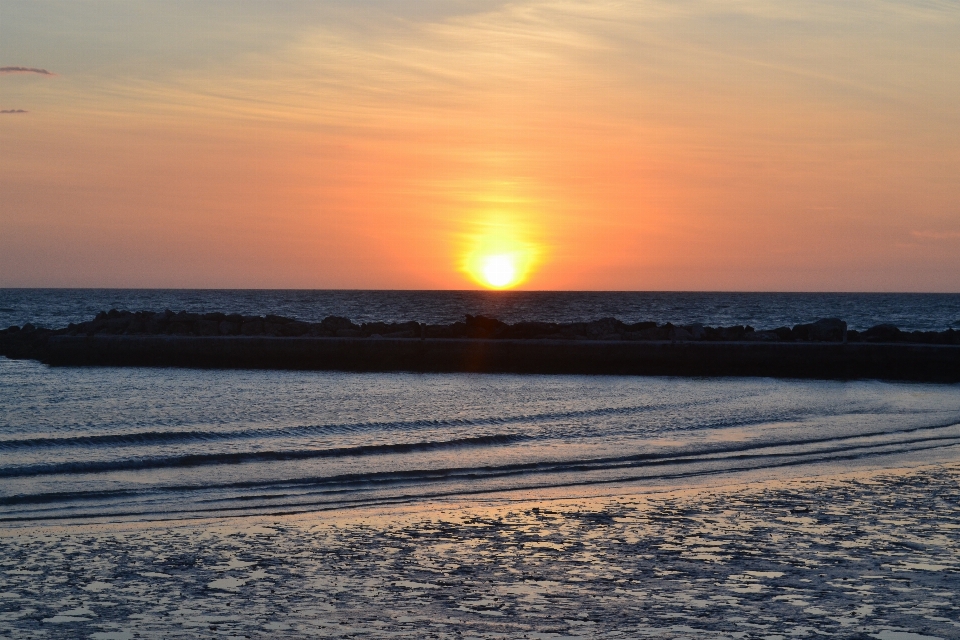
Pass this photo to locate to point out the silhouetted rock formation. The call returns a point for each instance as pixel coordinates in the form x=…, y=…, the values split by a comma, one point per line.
x=116, y=322
x=822, y=349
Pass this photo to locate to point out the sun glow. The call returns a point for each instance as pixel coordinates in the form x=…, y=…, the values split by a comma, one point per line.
x=497, y=258
x=499, y=271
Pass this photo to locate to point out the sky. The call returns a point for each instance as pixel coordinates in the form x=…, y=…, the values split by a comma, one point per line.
x=652, y=145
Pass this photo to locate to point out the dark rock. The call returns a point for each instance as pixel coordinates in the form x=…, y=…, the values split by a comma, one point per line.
x=883, y=333
x=252, y=327
x=828, y=330
x=155, y=325
x=336, y=323
x=272, y=328
x=825, y=330
x=380, y=328
x=207, y=327
x=696, y=330
x=529, y=330
x=393, y=330
x=228, y=328
x=762, y=336
x=407, y=326
x=401, y=334
x=277, y=319
x=800, y=332
x=656, y=333
x=734, y=333
x=574, y=329
x=439, y=331
x=605, y=328
x=784, y=333
x=483, y=327
x=185, y=317
x=180, y=328
x=296, y=328
x=923, y=337
x=137, y=326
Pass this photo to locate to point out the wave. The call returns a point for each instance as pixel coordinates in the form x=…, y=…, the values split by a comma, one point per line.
x=183, y=437
x=339, y=492
x=177, y=437
x=204, y=459
x=743, y=450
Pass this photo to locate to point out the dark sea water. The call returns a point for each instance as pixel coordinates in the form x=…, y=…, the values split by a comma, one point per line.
x=54, y=308
x=158, y=443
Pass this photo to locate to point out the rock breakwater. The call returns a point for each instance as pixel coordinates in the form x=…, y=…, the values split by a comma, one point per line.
x=822, y=349
x=115, y=322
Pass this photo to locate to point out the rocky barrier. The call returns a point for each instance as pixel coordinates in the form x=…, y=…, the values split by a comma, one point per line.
x=823, y=349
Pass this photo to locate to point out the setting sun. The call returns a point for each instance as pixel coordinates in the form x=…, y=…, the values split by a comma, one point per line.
x=498, y=255
x=499, y=271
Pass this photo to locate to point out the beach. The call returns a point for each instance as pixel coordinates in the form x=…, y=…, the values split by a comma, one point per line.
x=873, y=553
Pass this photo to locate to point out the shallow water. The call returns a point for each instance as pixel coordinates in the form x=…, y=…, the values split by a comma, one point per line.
x=173, y=443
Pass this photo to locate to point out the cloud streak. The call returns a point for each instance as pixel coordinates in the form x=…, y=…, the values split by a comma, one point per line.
x=42, y=72
x=14, y=111
x=936, y=235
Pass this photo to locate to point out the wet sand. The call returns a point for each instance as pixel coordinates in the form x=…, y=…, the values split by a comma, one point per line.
x=871, y=554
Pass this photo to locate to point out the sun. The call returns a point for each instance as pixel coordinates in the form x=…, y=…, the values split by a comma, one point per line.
x=500, y=270
x=499, y=252
x=499, y=266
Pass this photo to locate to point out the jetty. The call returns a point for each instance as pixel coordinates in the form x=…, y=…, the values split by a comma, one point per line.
x=825, y=349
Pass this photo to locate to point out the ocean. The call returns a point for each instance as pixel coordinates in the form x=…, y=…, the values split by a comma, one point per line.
x=54, y=308
x=169, y=443
x=172, y=443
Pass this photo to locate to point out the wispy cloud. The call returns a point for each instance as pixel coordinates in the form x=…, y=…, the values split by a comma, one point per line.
x=936, y=235
x=13, y=111
x=42, y=72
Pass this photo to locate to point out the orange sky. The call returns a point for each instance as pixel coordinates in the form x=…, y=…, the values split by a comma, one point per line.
x=641, y=146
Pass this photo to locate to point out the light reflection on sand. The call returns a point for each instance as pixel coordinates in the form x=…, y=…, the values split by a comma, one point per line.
x=875, y=554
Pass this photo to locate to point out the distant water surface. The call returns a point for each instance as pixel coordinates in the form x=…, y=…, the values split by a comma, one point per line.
x=927, y=311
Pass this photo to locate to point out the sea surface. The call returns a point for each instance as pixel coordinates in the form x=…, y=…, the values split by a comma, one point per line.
x=53, y=308
x=80, y=444
x=177, y=443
